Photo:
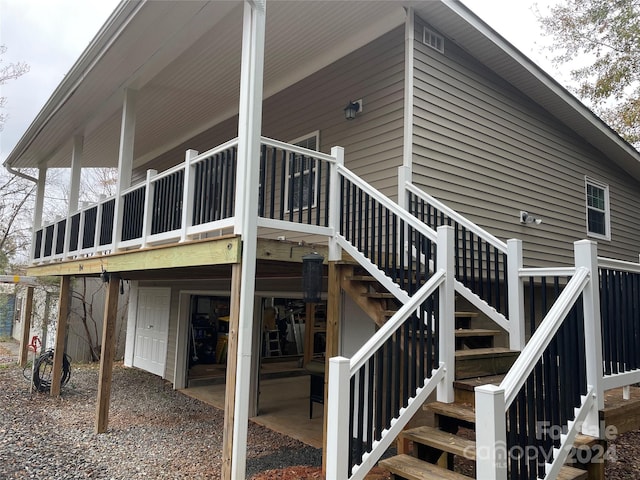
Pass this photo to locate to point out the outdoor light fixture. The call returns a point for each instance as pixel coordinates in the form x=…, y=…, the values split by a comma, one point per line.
x=312, y=277
x=527, y=218
x=352, y=108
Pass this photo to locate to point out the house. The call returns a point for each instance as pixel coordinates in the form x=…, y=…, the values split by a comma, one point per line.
x=414, y=149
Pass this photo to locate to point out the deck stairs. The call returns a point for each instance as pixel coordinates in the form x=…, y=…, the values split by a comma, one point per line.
x=479, y=349
x=432, y=451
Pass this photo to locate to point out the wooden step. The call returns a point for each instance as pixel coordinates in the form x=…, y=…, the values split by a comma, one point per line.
x=464, y=388
x=570, y=473
x=412, y=468
x=378, y=295
x=450, y=443
x=443, y=441
x=471, y=338
x=457, y=411
x=476, y=332
x=480, y=362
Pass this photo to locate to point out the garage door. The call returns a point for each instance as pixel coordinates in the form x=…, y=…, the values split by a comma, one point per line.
x=152, y=329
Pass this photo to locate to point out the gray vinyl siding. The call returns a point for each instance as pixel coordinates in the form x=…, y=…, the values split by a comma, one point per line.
x=372, y=142
x=488, y=151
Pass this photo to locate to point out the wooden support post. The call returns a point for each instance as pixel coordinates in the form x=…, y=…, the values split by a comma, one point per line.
x=309, y=330
x=61, y=332
x=26, y=327
x=107, y=354
x=230, y=390
x=334, y=300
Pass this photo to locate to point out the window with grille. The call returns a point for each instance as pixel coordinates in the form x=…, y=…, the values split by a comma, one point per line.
x=301, y=175
x=597, y=198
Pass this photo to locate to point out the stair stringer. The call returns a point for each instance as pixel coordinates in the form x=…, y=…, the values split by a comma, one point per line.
x=382, y=278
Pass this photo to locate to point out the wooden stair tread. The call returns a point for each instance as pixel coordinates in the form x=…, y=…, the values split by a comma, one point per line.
x=361, y=278
x=570, y=473
x=476, y=332
x=471, y=383
x=465, y=314
x=485, y=352
x=443, y=441
x=378, y=295
x=460, y=411
x=413, y=468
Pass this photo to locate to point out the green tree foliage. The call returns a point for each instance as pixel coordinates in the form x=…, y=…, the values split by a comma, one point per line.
x=605, y=33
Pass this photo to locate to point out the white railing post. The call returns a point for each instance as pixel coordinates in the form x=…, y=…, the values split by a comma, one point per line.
x=445, y=260
x=491, y=433
x=335, y=252
x=516, y=294
x=338, y=421
x=54, y=238
x=586, y=255
x=187, y=193
x=81, y=223
x=67, y=235
x=148, y=205
x=99, y=212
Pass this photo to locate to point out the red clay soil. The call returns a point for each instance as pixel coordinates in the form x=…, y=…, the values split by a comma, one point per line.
x=312, y=473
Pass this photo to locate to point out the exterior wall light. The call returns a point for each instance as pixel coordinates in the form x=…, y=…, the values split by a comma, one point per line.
x=312, y=277
x=352, y=108
x=527, y=218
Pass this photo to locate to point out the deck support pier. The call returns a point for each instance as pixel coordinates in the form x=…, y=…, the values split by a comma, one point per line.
x=26, y=327
x=107, y=354
x=61, y=333
x=334, y=300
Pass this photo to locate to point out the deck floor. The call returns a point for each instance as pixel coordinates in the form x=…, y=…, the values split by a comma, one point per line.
x=283, y=406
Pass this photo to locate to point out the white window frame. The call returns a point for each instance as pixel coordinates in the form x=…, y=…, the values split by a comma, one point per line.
x=289, y=178
x=588, y=181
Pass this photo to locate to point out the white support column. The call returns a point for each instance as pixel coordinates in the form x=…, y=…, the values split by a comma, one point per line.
x=76, y=170
x=338, y=422
x=74, y=189
x=125, y=160
x=147, y=213
x=586, y=255
x=404, y=172
x=516, y=294
x=335, y=252
x=249, y=130
x=491, y=433
x=187, y=193
x=37, y=210
x=447, y=335
x=404, y=175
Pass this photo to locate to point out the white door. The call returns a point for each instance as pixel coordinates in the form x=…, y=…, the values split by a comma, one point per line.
x=152, y=329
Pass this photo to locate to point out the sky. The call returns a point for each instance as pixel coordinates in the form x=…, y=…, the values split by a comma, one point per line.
x=50, y=35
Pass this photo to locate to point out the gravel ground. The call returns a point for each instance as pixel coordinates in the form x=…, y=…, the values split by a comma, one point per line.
x=155, y=433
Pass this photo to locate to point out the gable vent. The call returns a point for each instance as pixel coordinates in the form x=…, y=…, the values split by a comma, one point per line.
x=433, y=40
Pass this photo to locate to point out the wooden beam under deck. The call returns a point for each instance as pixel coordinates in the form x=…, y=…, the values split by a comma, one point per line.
x=218, y=251
x=187, y=256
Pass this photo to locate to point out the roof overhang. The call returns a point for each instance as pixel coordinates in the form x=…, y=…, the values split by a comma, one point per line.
x=184, y=59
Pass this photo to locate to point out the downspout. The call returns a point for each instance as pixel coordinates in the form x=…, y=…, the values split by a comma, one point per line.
x=405, y=171
x=18, y=173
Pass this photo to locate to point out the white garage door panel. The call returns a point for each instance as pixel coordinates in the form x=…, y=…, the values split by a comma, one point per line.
x=152, y=328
